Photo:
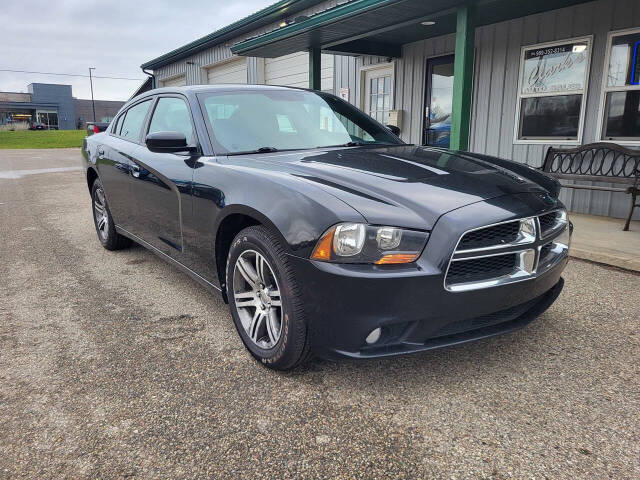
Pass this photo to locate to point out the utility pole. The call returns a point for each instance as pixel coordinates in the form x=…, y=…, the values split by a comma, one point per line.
x=93, y=105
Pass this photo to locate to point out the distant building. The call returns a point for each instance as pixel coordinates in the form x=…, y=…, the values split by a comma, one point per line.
x=52, y=106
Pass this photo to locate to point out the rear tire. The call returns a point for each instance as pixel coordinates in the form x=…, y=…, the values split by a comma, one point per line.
x=103, y=221
x=265, y=300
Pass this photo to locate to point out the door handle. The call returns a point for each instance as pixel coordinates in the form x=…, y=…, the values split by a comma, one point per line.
x=135, y=171
x=100, y=152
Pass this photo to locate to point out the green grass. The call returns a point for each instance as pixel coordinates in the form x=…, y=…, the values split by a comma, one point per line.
x=42, y=138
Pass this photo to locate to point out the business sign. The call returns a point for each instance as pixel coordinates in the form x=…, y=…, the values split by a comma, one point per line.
x=555, y=69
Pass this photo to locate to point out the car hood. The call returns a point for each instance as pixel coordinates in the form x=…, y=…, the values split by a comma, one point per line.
x=405, y=186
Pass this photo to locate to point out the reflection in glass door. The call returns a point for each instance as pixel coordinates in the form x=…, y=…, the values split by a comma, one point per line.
x=438, y=102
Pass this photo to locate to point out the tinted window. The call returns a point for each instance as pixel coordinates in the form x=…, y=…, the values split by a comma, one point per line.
x=172, y=115
x=622, y=115
x=133, y=121
x=624, y=60
x=555, y=116
x=287, y=120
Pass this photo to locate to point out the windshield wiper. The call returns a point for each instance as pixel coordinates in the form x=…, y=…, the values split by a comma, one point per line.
x=257, y=150
x=354, y=143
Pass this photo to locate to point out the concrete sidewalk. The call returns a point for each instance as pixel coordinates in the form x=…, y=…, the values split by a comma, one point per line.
x=601, y=239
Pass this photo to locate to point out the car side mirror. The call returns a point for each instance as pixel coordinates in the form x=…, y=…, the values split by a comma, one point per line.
x=168, y=142
x=394, y=129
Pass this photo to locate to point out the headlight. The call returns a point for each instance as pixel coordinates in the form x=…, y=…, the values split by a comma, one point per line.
x=348, y=239
x=360, y=243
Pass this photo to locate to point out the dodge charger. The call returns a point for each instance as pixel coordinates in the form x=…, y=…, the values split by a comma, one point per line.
x=324, y=232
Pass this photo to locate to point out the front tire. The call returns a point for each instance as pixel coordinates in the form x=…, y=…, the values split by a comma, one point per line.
x=265, y=300
x=103, y=221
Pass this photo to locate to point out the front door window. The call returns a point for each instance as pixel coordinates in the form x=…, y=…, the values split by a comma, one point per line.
x=438, y=102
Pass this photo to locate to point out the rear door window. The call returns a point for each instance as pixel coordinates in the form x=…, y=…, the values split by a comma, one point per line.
x=134, y=121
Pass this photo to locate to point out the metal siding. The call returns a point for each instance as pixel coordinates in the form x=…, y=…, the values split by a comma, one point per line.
x=195, y=70
x=496, y=83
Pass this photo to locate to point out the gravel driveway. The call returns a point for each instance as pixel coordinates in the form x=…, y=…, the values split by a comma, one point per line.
x=116, y=365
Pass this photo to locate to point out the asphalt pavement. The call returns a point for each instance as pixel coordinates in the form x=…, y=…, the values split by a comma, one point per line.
x=115, y=364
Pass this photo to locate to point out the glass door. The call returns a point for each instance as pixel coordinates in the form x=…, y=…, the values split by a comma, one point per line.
x=438, y=102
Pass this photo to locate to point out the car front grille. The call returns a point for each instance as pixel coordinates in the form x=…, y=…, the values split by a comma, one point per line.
x=506, y=252
x=484, y=268
x=549, y=222
x=503, y=233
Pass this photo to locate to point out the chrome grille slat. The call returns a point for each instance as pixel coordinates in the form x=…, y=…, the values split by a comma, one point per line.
x=487, y=256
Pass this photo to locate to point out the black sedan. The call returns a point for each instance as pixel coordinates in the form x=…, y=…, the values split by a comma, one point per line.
x=323, y=231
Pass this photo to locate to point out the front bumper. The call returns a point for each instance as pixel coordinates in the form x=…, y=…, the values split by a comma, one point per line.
x=414, y=312
x=409, y=303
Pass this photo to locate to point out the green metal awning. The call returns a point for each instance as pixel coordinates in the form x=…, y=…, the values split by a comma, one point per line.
x=381, y=27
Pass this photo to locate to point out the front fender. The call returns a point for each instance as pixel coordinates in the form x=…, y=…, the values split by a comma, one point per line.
x=297, y=210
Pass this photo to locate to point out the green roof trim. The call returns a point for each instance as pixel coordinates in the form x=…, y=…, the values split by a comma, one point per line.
x=269, y=14
x=319, y=19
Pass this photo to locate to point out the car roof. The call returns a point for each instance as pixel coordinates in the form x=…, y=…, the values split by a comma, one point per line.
x=189, y=90
x=220, y=87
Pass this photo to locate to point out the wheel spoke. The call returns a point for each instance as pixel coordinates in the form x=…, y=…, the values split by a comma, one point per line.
x=256, y=322
x=260, y=268
x=272, y=327
x=101, y=223
x=98, y=206
x=275, y=298
x=247, y=272
x=243, y=295
x=244, y=303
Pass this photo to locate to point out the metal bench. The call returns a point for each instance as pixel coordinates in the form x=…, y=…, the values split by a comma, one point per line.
x=597, y=162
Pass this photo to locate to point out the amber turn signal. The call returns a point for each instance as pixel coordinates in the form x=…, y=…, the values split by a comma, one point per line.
x=323, y=248
x=397, y=258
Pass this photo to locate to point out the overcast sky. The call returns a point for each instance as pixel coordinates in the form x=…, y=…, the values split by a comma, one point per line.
x=115, y=36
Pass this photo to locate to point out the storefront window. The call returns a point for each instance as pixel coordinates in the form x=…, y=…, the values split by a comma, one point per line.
x=552, y=89
x=48, y=120
x=621, y=98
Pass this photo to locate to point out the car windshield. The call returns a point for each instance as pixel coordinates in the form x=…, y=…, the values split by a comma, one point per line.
x=272, y=120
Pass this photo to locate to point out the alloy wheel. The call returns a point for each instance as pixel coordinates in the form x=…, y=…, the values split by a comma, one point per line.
x=100, y=213
x=257, y=299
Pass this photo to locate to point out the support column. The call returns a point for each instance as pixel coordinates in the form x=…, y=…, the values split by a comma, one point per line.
x=463, y=78
x=314, y=68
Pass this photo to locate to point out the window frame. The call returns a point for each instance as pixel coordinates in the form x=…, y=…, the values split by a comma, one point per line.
x=605, y=89
x=152, y=110
x=145, y=122
x=584, y=92
x=384, y=66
